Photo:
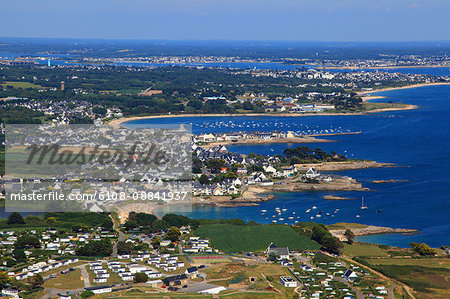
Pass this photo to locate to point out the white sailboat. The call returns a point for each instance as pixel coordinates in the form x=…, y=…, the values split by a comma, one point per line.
x=363, y=207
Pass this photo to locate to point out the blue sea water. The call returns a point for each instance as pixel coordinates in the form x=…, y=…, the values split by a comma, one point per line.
x=416, y=141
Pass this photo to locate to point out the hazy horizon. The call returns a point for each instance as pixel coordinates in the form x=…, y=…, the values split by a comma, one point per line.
x=248, y=20
x=224, y=40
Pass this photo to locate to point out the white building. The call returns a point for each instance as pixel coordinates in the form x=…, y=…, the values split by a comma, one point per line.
x=288, y=281
x=100, y=289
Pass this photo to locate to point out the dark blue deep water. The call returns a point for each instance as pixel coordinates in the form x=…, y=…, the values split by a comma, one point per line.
x=416, y=141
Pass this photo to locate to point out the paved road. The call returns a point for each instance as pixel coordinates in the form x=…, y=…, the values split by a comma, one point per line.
x=180, y=245
x=121, y=238
x=391, y=291
x=85, y=275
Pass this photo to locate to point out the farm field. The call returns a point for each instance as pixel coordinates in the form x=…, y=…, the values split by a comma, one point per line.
x=363, y=249
x=235, y=238
x=19, y=84
x=68, y=281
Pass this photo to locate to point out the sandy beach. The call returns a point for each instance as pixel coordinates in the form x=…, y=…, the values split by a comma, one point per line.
x=400, y=87
x=118, y=121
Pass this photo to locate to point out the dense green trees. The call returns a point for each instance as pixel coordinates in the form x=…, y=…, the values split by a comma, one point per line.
x=321, y=235
x=151, y=223
x=124, y=247
x=179, y=221
x=215, y=165
x=204, y=180
x=86, y=294
x=183, y=89
x=304, y=154
x=349, y=235
x=103, y=247
x=423, y=249
x=27, y=241
x=140, y=277
x=15, y=218
x=19, y=115
x=145, y=219
x=19, y=255
x=173, y=234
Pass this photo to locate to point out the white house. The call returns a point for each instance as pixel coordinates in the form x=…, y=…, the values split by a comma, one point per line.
x=100, y=279
x=283, y=252
x=312, y=173
x=349, y=275
x=137, y=268
x=288, y=282
x=100, y=289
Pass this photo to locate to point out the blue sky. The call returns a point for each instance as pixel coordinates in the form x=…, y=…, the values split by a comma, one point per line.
x=312, y=20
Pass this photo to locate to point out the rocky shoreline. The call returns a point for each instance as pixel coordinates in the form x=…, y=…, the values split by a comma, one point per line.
x=347, y=165
x=228, y=201
x=387, y=181
x=363, y=230
x=254, y=195
x=334, y=197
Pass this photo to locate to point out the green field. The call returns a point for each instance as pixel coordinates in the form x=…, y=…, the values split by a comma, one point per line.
x=235, y=238
x=19, y=84
x=363, y=249
x=373, y=105
x=69, y=281
x=426, y=262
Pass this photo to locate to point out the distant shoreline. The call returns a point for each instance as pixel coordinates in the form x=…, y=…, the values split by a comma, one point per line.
x=118, y=121
x=401, y=87
x=379, y=67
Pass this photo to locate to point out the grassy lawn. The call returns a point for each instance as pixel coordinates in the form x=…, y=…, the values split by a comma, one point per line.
x=68, y=281
x=345, y=225
x=19, y=84
x=372, y=105
x=425, y=262
x=233, y=274
x=37, y=294
x=205, y=260
x=235, y=238
x=363, y=249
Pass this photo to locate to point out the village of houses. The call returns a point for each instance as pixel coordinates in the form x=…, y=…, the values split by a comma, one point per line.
x=188, y=270
x=268, y=176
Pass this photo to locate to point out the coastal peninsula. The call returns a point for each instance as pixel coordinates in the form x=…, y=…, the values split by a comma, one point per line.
x=338, y=230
